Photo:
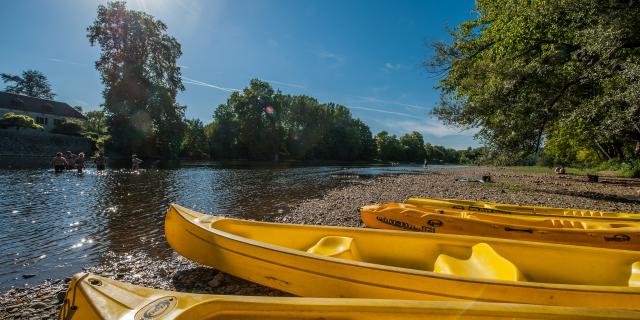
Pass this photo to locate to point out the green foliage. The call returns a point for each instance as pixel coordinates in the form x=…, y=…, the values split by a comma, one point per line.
x=72, y=127
x=11, y=120
x=413, y=147
x=473, y=156
x=95, y=128
x=32, y=83
x=138, y=68
x=261, y=124
x=389, y=147
x=440, y=154
x=566, y=70
x=195, y=144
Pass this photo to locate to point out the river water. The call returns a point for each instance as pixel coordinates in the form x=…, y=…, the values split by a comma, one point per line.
x=54, y=224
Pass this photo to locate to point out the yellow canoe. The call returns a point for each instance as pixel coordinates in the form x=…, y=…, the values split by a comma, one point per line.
x=93, y=297
x=492, y=207
x=399, y=216
x=322, y=261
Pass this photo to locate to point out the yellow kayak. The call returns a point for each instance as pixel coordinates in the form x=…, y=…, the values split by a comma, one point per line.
x=93, y=297
x=322, y=261
x=399, y=216
x=492, y=207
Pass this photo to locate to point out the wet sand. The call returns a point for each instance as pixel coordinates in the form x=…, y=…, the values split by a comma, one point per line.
x=338, y=207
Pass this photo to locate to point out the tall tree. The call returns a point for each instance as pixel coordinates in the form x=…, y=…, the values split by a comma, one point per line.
x=413, y=145
x=195, y=143
x=141, y=77
x=389, y=148
x=32, y=83
x=520, y=68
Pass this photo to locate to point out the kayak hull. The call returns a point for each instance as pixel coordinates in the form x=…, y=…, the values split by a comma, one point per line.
x=94, y=297
x=396, y=265
x=409, y=217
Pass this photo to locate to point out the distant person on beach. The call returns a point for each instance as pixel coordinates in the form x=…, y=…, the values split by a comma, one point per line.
x=59, y=163
x=80, y=162
x=100, y=162
x=424, y=165
x=135, y=162
x=71, y=160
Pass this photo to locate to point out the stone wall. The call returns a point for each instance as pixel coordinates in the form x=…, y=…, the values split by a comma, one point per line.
x=31, y=147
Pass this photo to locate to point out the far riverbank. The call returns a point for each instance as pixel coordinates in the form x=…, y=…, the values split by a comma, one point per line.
x=338, y=206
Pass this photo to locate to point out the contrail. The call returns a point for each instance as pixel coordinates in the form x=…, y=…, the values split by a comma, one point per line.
x=287, y=84
x=389, y=112
x=204, y=84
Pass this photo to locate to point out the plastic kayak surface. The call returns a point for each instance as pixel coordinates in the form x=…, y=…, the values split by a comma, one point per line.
x=492, y=207
x=605, y=234
x=94, y=297
x=321, y=261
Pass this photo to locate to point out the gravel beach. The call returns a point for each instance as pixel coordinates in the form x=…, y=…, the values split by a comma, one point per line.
x=339, y=207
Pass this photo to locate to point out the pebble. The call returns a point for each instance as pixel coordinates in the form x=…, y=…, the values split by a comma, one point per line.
x=61, y=296
x=38, y=305
x=216, y=281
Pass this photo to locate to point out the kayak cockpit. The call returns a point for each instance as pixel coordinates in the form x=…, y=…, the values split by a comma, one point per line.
x=449, y=254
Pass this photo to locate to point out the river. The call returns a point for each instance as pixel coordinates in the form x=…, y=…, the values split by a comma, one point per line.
x=54, y=224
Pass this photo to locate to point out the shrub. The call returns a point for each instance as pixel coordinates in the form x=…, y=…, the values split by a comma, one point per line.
x=72, y=127
x=11, y=119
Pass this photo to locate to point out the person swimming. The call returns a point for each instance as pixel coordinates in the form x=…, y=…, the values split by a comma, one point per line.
x=59, y=163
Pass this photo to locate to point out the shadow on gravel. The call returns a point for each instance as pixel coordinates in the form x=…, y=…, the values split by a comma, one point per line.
x=212, y=281
x=591, y=195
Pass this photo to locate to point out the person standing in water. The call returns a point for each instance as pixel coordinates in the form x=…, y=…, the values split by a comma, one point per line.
x=135, y=162
x=59, y=163
x=71, y=160
x=80, y=162
x=100, y=162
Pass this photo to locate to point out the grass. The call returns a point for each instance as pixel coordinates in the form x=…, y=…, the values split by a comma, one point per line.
x=547, y=170
x=601, y=171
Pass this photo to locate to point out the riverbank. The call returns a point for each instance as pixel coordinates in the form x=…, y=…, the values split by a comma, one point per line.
x=338, y=206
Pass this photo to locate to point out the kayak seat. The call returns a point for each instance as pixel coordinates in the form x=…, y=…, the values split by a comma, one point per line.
x=484, y=262
x=634, y=279
x=336, y=247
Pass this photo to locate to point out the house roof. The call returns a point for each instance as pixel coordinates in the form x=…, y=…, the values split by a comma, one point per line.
x=30, y=104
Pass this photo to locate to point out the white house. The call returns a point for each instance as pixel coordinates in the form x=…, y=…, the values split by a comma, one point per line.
x=47, y=113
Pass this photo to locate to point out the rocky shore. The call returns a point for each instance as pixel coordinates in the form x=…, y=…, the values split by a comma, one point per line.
x=339, y=207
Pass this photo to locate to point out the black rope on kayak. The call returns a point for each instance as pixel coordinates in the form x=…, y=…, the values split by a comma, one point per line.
x=72, y=304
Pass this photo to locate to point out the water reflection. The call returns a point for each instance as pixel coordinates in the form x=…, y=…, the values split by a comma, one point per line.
x=53, y=225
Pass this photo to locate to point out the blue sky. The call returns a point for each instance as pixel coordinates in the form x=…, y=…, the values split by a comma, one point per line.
x=366, y=55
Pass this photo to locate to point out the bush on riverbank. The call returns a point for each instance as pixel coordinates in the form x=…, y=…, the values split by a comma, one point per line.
x=18, y=121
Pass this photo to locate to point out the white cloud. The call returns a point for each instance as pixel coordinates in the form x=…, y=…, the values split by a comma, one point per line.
x=330, y=56
x=427, y=126
x=204, y=84
x=394, y=66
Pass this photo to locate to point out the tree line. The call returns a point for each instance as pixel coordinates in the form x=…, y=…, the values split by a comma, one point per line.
x=259, y=123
